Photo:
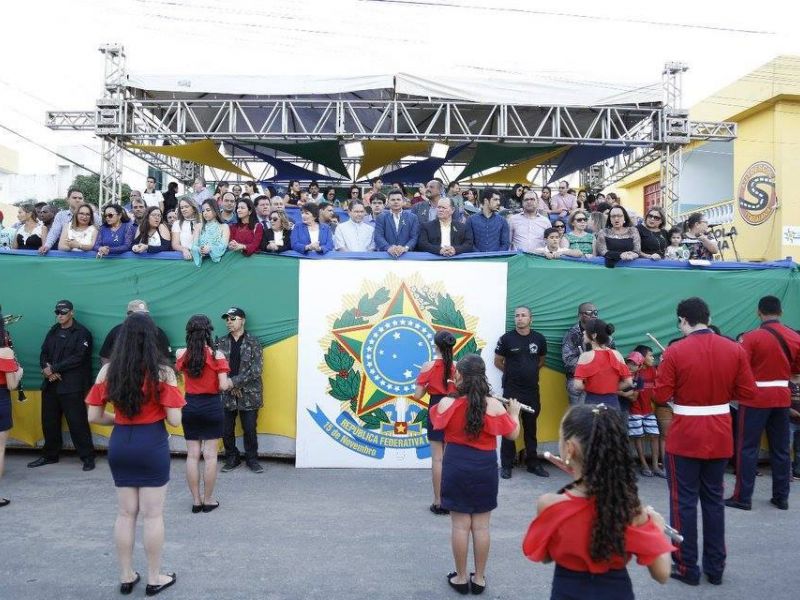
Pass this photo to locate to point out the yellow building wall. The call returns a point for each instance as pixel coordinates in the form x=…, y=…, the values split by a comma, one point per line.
x=787, y=149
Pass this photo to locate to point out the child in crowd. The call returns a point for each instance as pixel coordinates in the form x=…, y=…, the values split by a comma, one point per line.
x=552, y=246
x=641, y=420
x=675, y=251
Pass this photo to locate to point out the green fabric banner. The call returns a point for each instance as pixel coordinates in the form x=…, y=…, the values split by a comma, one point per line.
x=493, y=155
x=325, y=153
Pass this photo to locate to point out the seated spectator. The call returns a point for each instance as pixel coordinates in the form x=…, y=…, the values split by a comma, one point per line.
x=547, y=205
x=46, y=213
x=152, y=234
x=310, y=235
x=355, y=193
x=561, y=225
x=237, y=190
x=470, y=201
x=153, y=197
x=652, y=234
x=489, y=229
x=222, y=188
x=376, y=204
x=579, y=239
x=171, y=197
x=620, y=240
x=327, y=215
x=80, y=234
x=138, y=206
x=695, y=239
x=516, y=197
x=675, y=250
x=292, y=197
x=330, y=195
x=262, y=205
x=590, y=204
x=597, y=220
x=444, y=235
x=247, y=232
x=314, y=195
x=172, y=216
x=183, y=228
x=251, y=188
x=211, y=237
x=421, y=195
x=276, y=237
x=396, y=230
x=31, y=232
x=526, y=229
x=116, y=232
x=355, y=235
x=553, y=246
x=227, y=207
x=581, y=199
x=276, y=202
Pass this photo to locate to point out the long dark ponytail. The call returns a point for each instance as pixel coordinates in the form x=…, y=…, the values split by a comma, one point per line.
x=608, y=474
x=445, y=341
x=475, y=387
x=198, y=338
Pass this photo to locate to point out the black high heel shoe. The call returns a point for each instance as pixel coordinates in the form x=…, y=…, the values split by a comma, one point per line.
x=127, y=588
x=152, y=590
x=461, y=588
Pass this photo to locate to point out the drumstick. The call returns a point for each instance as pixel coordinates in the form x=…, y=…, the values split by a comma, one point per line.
x=657, y=343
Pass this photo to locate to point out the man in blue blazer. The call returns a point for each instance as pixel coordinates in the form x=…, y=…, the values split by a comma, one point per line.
x=396, y=230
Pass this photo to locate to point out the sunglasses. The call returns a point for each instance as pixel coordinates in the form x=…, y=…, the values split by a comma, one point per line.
x=657, y=217
x=62, y=311
x=274, y=219
x=110, y=215
x=230, y=318
x=580, y=220
x=590, y=313
x=559, y=226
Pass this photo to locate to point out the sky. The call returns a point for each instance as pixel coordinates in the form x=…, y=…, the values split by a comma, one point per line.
x=49, y=55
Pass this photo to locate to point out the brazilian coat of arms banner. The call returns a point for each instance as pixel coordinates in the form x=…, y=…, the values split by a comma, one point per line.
x=365, y=329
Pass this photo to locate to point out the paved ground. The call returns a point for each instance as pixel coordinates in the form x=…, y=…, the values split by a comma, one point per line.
x=329, y=534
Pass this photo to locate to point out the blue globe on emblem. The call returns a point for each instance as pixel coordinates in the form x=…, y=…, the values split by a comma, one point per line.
x=394, y=351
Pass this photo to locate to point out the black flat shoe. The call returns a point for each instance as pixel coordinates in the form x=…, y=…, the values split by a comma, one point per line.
x=207, y=508
x=461, y=588
x=4, y=502
x=476, y=589
x=152, y=590
x=127, y=588
x=196, y=508
x=438, y=510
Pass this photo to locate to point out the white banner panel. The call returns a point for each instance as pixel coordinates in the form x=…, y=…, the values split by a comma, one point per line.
x=365, y=329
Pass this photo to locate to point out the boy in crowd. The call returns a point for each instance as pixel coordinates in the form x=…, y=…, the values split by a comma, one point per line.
x=641, y=420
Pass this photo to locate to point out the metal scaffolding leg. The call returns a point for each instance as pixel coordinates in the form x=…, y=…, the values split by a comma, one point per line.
x=110, y=171
x=109, y=119
x=675, y=133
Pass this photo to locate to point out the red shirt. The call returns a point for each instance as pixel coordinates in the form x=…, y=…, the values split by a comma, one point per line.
x=643, y=405
x=603, y=374
x=769, y=363
x=208, y=382
x=454, y=419
x=431, y=379
x=703, y=369
x=251, y=238
x=7, y=365
x=169, y=396
x=563, y=532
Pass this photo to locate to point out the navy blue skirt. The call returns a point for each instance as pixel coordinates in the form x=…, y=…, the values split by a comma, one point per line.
x=582, y=585
x=203, y=417
x=469, y=479
x=434, y=435
x=5, y=409
x=139, y=455
x=610, y=400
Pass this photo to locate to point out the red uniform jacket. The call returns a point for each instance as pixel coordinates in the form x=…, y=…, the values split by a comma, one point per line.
x=769, y=363
x=703, y=369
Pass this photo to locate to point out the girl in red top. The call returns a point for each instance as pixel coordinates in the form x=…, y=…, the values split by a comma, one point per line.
x=205, y=374
x=593, y=526
x=141, y=385
x=246, y=234
x=471, y=425
x=437, y=379
x=601, y=370
x=10, y=376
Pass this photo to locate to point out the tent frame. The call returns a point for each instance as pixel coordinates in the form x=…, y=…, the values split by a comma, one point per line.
x=124, y=115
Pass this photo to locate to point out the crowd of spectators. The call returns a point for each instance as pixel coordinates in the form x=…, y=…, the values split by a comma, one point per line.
x=436, y=219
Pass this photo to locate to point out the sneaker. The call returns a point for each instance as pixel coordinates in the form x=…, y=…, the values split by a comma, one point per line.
x=231, y=464
x=538, y=470
x=505, y=472
x=255, y=466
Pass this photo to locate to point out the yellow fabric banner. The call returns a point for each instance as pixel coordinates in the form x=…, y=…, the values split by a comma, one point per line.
x=519, y=172
x=379, y=153
x=204, y=152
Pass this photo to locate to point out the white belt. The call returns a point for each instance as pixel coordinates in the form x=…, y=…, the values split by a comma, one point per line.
x=701, y=411
x=775, y=383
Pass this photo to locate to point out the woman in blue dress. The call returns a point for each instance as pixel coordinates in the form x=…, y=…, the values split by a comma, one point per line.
x=211, y=238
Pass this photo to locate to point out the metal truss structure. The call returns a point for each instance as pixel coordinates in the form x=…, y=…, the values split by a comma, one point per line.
x=130, y=115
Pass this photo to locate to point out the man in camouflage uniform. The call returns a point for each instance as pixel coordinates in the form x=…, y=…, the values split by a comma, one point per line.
x=243, y=352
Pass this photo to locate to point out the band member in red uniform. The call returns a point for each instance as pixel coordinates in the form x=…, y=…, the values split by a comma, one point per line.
x=774, y=353
x=592, y=527
x=436, y=378
x=471, y=424
x=702, y=373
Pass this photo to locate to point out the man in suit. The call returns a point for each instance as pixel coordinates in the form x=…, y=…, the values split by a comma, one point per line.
x=444, y=235
x=396, y=230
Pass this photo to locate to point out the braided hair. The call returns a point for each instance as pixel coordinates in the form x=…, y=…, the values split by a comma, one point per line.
x=198, y=338
x=475, y=387
x=445, y=341
x=608, y=474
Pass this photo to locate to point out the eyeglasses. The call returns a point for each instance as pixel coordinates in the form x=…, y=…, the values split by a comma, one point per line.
x=616, y=216
x=590, y=313
x=580, y=220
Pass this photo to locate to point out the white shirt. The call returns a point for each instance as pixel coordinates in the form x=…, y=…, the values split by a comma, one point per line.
x=154, y=199
x=277, y=236
x=186, y=229
x=445, y=229
x=397, y=218
x=314, y=235
x=354, y=237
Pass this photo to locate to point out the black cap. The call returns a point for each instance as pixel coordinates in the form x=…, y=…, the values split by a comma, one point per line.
x=234, y=311
x=64, y=304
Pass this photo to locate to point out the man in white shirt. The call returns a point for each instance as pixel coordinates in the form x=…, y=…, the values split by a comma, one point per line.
x=355, y=235
x=151, y=196
x=527, y=228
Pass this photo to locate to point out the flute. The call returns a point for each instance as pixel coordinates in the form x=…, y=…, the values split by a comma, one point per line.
x=522, y=407
x=672, y=533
